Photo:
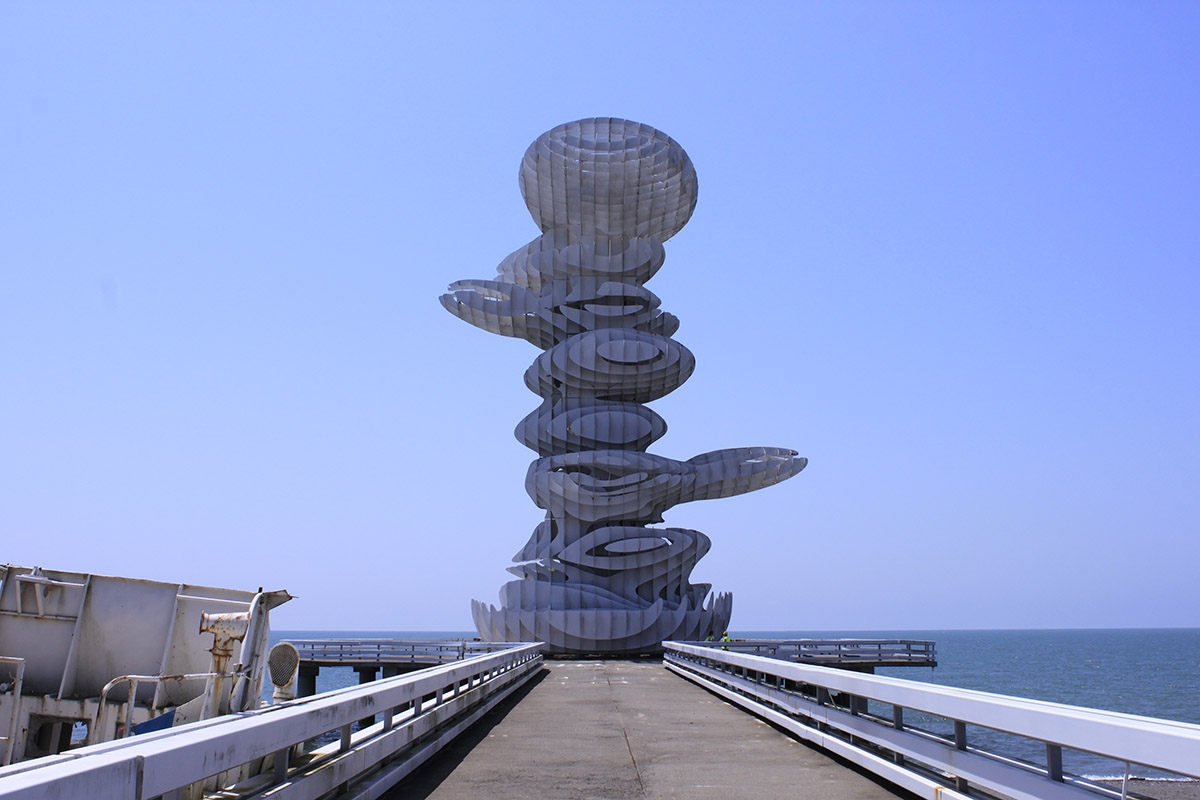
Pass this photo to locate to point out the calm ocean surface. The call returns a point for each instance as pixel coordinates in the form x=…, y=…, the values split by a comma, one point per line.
x=1150, y=672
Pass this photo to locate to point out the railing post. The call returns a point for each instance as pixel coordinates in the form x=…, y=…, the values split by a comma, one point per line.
x=282, y=758
x=898, y=724
x=1054, y=762
x=960, y=743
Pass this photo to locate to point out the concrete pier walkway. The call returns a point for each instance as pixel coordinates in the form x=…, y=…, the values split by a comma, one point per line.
x=629, y=729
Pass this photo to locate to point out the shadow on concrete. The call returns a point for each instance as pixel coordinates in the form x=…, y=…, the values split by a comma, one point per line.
x=429, y=776
x=878, y=780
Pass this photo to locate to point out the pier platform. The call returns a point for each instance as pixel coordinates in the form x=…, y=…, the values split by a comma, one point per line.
x=629, y=729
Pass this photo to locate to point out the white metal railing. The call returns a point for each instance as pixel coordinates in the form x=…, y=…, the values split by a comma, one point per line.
x=829, y=707
x=246, y=754
x=391, y=651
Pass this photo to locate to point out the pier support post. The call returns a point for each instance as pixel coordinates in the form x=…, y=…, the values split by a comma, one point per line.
x=391, y=670
x=306, y=685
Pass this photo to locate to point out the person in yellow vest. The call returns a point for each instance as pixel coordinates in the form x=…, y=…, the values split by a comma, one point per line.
x=725, y=638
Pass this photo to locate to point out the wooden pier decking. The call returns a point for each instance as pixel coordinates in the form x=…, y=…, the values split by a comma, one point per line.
x=629, y=729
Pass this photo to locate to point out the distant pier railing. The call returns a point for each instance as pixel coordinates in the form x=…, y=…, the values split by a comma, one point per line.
x=419, y=652
x=387, y=658
x=277, y=752
x=865, y=719
x=399, y=654
x=865, y=653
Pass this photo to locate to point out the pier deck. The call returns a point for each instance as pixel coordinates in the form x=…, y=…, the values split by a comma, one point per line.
x=629, y=729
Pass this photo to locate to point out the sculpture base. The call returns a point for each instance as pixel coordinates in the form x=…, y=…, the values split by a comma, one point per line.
x=604, y=631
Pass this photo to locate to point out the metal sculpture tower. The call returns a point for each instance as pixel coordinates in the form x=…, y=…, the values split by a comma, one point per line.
x=595, y=577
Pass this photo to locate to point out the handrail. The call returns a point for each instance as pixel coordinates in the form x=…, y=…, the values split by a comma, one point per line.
x=802, y=699
x=382, y=651
x=917, y=652
x=135, y=682
x=421, y=712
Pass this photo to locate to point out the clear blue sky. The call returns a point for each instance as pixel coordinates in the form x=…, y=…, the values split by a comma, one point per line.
x=948, y=251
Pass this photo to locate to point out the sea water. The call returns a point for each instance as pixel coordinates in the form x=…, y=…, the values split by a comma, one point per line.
x=1149, y=672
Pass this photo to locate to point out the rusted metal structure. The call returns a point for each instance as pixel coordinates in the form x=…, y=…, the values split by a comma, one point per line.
x=89, y=658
